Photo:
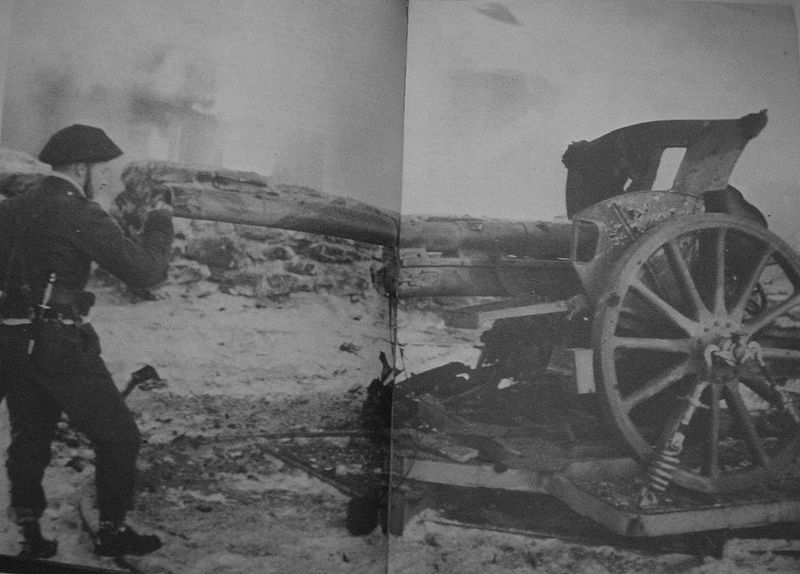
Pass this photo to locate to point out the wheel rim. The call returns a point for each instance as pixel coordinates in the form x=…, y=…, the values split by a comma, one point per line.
x=686, y=316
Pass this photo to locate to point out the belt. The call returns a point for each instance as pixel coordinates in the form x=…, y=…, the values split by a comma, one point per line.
x=59, y=308
x=16, y=322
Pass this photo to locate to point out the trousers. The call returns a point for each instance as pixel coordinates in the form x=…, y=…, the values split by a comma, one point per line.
x=65, y=374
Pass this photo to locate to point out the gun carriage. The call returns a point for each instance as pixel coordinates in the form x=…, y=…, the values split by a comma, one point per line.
x=672, y=311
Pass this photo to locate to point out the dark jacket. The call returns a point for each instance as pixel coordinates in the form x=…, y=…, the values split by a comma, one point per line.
x=55, y=229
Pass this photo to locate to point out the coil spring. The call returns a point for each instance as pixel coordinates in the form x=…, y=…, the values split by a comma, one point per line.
x=660, y=470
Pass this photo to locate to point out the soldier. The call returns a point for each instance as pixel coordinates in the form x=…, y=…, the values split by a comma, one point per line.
x=49, y=356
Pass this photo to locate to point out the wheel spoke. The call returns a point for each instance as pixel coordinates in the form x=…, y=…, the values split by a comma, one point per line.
x=770, y=315
x=684, y=276
x=675, y=346
x=656, y=385
x=751, y=437
x=676, y=317
x=750, y=285
x=719, y=279
x=777, y=354
x=713, y=433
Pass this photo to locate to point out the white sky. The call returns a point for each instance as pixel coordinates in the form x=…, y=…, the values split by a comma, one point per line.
x=309, y=91
x=491, y=105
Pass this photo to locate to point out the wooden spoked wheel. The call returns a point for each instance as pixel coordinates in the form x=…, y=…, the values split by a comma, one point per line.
x=697, y=334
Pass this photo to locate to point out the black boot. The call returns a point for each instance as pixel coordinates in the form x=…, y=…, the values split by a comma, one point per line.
x=34, y=545
x=115, y=540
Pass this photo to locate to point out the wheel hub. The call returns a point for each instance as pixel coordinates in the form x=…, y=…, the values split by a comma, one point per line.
x=720, y=342
x=733, y=350
x=716, y=331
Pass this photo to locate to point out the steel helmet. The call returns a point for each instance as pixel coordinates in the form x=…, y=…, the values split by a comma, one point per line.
x=77, y=144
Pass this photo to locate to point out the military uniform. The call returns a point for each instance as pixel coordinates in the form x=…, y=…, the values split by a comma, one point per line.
x=48, y=240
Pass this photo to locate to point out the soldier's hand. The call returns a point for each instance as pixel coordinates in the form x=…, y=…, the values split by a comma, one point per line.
x=160, y=200
x=161, y=205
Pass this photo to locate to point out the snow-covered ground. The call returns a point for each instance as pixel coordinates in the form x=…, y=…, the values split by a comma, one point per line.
x=234, y=370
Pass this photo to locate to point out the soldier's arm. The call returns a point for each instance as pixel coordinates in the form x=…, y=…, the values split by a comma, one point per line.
x=137, y=265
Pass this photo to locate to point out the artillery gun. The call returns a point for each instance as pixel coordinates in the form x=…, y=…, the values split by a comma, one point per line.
x=674, y=311
x=670, y=311
x=680, y=308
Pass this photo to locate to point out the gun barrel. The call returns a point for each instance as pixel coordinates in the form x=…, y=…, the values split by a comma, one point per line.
x=494, y=237
x=251, y=199
x=248, y=198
